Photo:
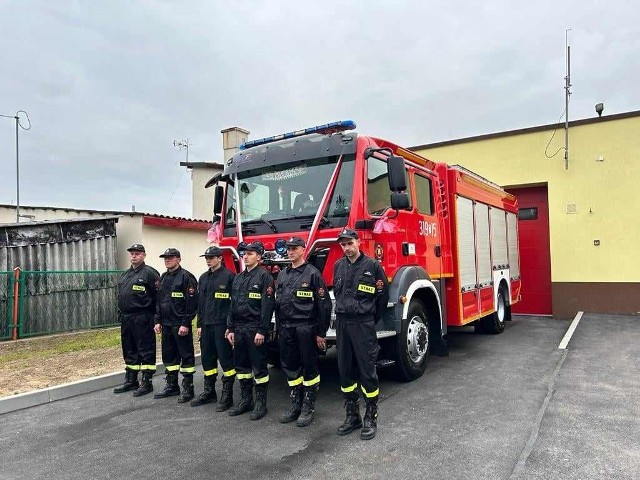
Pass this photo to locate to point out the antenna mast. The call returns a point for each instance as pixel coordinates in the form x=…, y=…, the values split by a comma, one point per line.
x=567, y=86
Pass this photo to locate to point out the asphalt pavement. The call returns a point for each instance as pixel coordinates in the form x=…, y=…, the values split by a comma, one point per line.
x=509, y=406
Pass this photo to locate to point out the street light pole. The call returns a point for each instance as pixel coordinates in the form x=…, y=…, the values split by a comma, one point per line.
x=16, y=117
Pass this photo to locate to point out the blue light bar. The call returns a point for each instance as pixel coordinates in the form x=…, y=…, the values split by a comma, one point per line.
x=326, y=129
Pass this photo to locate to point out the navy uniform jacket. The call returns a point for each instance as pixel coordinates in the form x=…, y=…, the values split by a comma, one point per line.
x=214, y=296
x=302, y=298
x=177, y=302
x=137, y=290
x=252, y=300
x=361, y=288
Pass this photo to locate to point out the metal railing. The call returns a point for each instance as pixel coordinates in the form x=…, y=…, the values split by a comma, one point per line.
x=45, y=302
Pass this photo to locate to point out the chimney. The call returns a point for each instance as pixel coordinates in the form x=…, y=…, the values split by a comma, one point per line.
x=232, y=138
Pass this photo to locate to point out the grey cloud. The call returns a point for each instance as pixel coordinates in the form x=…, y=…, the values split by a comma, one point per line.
x=110, y=84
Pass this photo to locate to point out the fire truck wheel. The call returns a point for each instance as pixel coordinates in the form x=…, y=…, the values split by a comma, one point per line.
x=412, y=345
x=494, y=323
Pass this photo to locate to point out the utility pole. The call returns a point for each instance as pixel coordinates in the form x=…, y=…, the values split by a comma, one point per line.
x=16, y=117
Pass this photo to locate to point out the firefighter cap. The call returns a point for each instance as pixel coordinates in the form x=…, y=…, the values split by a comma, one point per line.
x=295, y=242
x=212, y=252
x=348, y=233
x=255, y=246
x=171, y=252
x=136, y=247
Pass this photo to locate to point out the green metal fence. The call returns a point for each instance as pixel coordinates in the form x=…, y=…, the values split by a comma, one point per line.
x=6, y=305
x=63, y=301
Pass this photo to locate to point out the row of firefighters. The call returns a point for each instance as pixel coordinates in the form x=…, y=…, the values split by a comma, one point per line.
x=234, y=313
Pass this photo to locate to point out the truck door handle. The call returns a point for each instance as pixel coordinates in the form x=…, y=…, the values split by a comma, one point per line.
x=437, y=251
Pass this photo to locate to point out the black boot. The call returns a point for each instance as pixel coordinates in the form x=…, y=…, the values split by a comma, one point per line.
x=260, y=409
x=146, y=386
x=308, y=406
x=296, y=406
x=171, y=389
x=209, y=393
x=370, y=420
x=226, y=398
x=353, y=419
x=187, y=389
x=246, y=399
x=130, y=382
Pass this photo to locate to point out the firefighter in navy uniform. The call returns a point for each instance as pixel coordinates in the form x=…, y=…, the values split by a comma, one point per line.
x=176, y=307
x=214, y=300
x=303, y=311
x=252, y=304
x=136, y=306
x=361, y=291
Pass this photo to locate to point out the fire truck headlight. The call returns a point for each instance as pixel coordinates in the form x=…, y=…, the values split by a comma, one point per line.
x=281, y=246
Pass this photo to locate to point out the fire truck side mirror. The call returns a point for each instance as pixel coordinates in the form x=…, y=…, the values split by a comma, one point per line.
x=218, y=195
x=396, y=173
x=400, y=201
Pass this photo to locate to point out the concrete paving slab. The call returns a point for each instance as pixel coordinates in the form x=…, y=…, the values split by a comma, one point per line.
x=23, y=400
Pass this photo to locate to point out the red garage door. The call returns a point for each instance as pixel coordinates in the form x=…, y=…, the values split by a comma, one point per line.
x=535, y=254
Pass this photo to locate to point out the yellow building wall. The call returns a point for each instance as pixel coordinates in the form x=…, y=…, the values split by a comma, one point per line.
x=602, y=181
x=202, y=198
x=191, y=243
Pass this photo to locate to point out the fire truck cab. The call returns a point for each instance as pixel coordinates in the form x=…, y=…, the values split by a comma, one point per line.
x=446, y=237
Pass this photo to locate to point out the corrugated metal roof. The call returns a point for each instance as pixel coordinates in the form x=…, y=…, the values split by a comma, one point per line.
x=103, y=212
x=47, y=231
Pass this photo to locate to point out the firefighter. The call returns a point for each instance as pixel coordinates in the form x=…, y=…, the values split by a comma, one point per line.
x=252, y=304
x=136, y=306
x=175, y=309
x=303, y=311
x=214, y=299
x=361, y=292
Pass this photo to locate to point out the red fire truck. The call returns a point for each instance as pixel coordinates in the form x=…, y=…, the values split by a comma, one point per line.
x=445, y=236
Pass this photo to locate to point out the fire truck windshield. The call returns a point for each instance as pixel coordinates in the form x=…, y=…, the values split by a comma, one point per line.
x=287, y=196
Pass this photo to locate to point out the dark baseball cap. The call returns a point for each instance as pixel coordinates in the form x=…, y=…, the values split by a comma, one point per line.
x=295, y=242
x=256, y=246
x=171, y=252
x=348, y=233
x=212, y=252
x=136, y=247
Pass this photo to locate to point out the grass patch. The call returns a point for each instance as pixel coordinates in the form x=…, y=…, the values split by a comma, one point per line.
x=43, y=347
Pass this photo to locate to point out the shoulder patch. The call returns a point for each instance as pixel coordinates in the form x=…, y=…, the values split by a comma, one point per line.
x=191, y=290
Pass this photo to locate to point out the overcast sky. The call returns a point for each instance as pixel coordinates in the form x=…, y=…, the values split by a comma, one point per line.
x=109, y=84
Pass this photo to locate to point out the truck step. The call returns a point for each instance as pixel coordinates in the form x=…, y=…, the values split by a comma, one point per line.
x=385, y=363
x=386, y=333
